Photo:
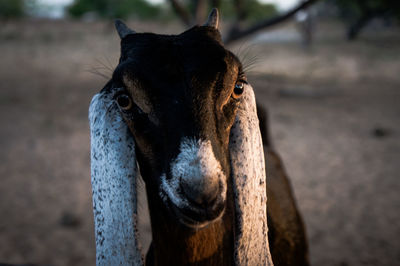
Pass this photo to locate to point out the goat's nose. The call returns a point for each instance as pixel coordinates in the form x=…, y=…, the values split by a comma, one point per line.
x=202, y=190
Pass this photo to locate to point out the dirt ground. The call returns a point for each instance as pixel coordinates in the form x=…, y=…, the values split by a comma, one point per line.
x=334, y=111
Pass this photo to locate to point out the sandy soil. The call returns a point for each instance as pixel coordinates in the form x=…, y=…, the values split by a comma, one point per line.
x=334, y=118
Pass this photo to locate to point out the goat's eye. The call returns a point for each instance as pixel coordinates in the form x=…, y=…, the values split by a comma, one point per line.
x=238, y=90
x=124, y=101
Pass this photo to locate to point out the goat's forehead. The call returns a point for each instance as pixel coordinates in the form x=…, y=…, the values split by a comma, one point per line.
x=158, y=53
x=166, y=59
x=154, y=66
x=197, y=46
x=174, y=60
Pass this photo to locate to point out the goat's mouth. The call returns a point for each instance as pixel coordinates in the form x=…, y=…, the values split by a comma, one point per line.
x=198, y=218
x=189, y=213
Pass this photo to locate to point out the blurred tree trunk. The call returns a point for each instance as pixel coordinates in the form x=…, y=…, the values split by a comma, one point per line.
x=199, y=12
x=305, y=25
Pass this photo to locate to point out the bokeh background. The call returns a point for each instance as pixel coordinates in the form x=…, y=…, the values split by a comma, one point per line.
x=329, y=76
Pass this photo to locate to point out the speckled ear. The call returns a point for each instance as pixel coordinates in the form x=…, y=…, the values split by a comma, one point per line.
x=248, y=172
x=114, y=171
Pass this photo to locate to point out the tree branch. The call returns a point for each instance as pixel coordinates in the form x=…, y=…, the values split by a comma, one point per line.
x=183, y=14
x=199, y=13
x=235, y=33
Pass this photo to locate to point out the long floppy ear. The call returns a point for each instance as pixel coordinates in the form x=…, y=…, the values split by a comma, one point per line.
x=114, y=172
x=248, y=172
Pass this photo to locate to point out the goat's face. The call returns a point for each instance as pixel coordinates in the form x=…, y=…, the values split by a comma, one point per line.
x=179, y=96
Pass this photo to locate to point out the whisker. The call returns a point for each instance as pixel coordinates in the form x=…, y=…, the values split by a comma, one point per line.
x=248, y=56
x=98, y=73
x=107, y=66
x=103, y=69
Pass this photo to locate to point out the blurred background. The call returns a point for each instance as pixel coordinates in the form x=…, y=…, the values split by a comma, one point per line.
x=328, y=71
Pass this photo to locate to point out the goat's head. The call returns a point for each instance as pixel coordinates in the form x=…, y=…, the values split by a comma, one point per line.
x=196, y=137
x=179, y=95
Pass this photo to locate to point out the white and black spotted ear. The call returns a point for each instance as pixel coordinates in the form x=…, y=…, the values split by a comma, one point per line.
x=114, y=173
x=249, y=177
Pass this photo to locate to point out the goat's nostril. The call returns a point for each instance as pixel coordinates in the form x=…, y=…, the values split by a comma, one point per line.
x=204, y=192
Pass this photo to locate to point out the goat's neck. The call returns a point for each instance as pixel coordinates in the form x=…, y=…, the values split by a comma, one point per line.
x=174, y=244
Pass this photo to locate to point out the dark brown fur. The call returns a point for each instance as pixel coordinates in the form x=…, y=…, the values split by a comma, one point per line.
x=187, y=76
x=287, y=235
x=184, y=246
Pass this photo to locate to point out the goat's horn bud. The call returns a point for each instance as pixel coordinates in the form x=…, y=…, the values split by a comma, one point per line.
x=122, y=29
x=213, y=19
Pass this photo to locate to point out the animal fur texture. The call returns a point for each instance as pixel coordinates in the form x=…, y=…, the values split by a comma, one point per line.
x=114, y=185
x=113, y=168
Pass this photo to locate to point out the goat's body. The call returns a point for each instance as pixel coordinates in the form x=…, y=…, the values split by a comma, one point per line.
x=286, y=231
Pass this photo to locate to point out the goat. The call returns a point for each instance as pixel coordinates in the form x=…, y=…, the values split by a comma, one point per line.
x=181, y=109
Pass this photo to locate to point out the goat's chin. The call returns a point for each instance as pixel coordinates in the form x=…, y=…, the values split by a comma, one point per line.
x=193, y=224
x=197, y=219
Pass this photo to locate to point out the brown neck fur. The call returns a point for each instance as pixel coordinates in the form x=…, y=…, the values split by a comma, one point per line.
x=174, y=244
